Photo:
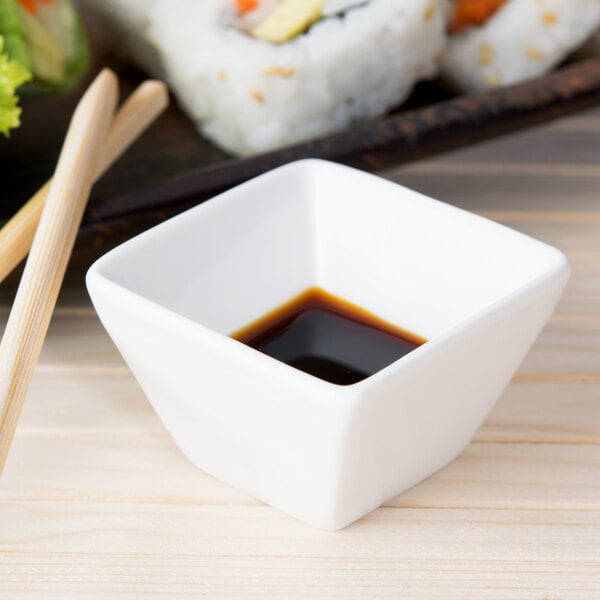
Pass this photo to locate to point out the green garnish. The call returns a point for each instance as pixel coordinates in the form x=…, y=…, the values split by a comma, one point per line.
x=12, y=75
x=47, y=38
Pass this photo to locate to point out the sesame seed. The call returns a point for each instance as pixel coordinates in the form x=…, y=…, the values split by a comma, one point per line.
x=486, y=54
x=534, y=53
x=550, y=18
x=429, y=12
x=275, y=71
x=492, y=80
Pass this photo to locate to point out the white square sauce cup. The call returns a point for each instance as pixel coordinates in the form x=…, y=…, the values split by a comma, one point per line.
x=325, y=453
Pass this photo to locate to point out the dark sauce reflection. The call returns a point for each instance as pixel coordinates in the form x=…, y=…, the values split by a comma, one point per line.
x=329, y=338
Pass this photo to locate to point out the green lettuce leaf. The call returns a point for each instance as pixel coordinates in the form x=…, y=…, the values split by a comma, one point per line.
x=12, y=75
x=50, y=42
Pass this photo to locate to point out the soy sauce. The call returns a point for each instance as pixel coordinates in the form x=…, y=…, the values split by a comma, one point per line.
x=329, y=338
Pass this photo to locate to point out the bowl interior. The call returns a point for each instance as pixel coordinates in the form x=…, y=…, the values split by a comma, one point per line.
x=413, y=261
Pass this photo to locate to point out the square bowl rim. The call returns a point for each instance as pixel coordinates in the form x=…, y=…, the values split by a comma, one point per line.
x=97, y=276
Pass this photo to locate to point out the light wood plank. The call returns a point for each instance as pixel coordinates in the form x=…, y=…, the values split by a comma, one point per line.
x=84, y=403
x=556, y=143
x=92, y=577
x=545, y=412
x=110, y=469
x=565, y=347
x=256, y=552
x=579, y=241
x=257, y=530
x=531, y=411
x=81, y=344
x=580, y=301
x=508, y=168
x=547, y=167
x=500, y=192
x=78, y=343
x=581, y=298
x=588, y=122
x=515, y=476
x=585, y=120
x=60, y=576
x=151, y=470
x=99, y=503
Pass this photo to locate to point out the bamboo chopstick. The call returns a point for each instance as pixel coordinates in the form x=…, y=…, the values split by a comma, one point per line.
x=136, y=114
x=44, y=271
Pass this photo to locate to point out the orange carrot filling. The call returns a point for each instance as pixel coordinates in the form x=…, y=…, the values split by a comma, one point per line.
x=32, y=5
x=473, y=12
x=246, y=6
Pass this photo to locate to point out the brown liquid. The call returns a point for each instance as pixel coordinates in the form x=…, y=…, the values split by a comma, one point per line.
x=328, y=337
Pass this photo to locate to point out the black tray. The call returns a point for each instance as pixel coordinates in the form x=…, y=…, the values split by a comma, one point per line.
x=172, y=167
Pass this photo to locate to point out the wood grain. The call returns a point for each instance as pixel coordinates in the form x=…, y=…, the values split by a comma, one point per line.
x=552, y=411
x=77, y=342
x=108, y=468
x=131, y=576
x=97, y=501
x=82, y=404
x=253, y=551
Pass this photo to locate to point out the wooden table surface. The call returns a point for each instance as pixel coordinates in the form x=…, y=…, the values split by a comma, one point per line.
x=97, y=502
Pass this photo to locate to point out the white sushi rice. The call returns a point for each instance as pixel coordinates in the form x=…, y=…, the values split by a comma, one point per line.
x=523, y=40
x=250, y=96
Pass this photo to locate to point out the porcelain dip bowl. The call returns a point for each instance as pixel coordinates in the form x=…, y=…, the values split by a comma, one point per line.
x=325, y=453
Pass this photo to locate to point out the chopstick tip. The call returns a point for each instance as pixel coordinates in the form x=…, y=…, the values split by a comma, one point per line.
x=105, y=83
x=107, y=73
x=158, y=89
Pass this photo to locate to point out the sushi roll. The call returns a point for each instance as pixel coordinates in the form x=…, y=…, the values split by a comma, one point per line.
x=501, y=42
x=256, y=75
